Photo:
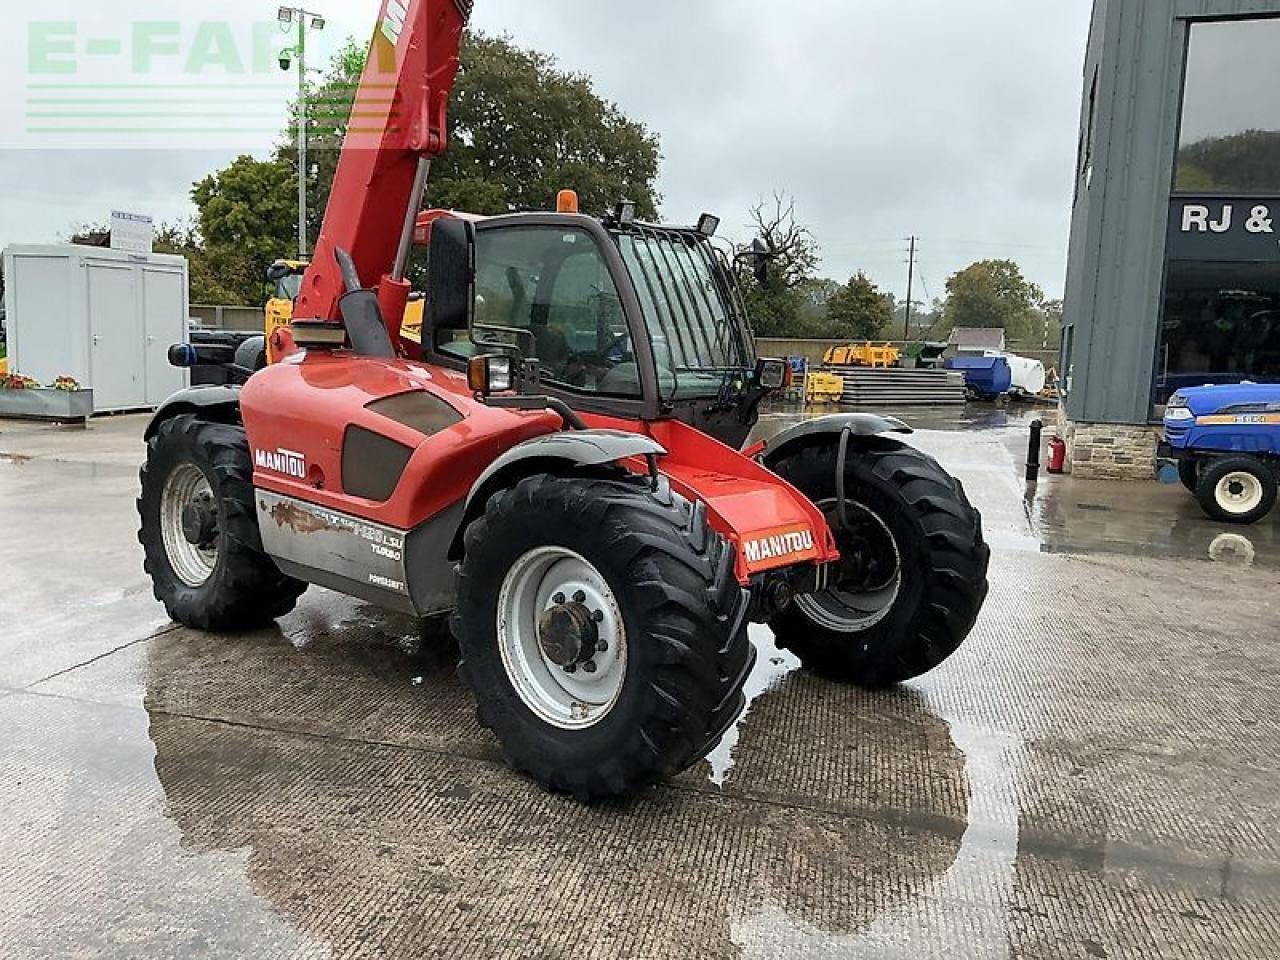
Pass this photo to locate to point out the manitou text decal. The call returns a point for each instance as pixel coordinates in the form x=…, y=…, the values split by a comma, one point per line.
x=287, y=462
x=786, y=545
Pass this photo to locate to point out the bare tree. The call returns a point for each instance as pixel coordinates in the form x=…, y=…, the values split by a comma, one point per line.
x=795, y=251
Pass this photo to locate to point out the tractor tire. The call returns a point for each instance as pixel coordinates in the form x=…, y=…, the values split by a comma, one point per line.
x=913, y=571
x=199, y=530
x=635, y=575
x=1236, y=489
x=1189, y=473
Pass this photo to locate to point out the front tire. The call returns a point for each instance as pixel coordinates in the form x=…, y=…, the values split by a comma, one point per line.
x=1189, y=473
x=199, y=530
x=1237, y=490
x=913, y=570
x=562, y=572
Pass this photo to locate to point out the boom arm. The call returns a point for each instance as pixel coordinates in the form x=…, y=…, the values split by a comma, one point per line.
x=399, y=122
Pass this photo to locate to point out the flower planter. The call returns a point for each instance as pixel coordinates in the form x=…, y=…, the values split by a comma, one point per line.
x=47, y=404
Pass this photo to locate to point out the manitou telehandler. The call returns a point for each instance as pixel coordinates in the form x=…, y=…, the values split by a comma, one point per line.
x=556, y=464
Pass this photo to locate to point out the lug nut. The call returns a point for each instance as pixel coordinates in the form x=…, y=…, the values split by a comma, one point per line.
x=579, y=597
x=602, y=646
x=571, y=668
x=589, y=666
x=558, y=599
x=598, y=616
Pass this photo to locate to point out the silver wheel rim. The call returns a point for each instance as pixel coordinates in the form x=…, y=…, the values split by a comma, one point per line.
x=186, y=486
x=844, y=611
x=567, y=699
x=1239, y=492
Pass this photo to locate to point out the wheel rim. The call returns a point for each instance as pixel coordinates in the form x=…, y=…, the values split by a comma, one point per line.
x=870, y=558
x=189, y=524
x=1239, y=492
x=547, y=589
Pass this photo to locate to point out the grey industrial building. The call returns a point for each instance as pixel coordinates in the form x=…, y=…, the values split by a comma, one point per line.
x=1174, y=273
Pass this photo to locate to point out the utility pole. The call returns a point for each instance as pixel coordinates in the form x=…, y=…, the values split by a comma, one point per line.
x=911, y=279
x=286, y=16
x=302, y=137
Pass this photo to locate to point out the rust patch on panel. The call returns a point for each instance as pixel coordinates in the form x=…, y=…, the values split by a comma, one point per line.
x=297, y=519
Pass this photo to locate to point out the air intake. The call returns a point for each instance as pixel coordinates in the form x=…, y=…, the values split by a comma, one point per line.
x=464, y=8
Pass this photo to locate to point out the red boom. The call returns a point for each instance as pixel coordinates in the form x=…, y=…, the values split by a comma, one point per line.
x=400, y=117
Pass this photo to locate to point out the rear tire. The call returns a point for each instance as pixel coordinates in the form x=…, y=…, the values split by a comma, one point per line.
x=1237, y=489
x=913, y=573
x=199, y=530
x=661, y=587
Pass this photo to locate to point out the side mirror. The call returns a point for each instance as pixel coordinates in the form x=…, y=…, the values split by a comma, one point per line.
x=761, y=256
x=450, y=279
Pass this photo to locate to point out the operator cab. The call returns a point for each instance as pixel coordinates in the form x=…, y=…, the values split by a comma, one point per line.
x=622, y=318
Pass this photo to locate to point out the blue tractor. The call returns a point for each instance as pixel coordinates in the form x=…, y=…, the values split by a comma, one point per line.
x=1226, y=441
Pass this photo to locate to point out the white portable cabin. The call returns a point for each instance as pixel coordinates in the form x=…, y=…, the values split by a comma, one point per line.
x=105, y=317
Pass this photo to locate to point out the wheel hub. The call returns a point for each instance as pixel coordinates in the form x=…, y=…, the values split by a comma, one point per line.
x=200, y=521
x=567, y=634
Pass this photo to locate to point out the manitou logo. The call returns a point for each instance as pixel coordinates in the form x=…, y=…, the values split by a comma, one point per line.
x=287, y=462
x=779, y=545
x=393, y=22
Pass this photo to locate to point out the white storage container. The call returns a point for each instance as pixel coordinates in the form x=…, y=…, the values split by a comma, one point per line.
x=105, y=317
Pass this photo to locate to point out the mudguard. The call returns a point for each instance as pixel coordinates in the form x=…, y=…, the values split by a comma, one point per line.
x=224, y=398
x=580, y=448
x=860, y=424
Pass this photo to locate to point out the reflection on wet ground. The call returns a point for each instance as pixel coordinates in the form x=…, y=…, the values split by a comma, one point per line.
x=1091, y=776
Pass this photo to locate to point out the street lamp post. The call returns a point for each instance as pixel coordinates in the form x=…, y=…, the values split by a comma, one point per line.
x=305, y=19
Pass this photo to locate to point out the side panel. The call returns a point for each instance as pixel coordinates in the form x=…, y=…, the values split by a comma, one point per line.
x=335, y=550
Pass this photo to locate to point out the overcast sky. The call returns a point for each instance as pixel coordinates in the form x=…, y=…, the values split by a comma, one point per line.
x=953, y=121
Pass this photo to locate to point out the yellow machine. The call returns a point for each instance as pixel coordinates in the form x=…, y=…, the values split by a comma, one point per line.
x=287, y=276
x=820, y=387
x=863, y=355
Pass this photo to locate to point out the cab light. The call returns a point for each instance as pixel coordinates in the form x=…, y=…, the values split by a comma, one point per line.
x=567, y=201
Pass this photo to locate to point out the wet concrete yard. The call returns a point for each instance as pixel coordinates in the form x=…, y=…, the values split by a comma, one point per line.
x=1093, y=775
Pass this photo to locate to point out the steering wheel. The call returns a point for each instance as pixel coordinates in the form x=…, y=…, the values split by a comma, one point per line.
x=619, y=344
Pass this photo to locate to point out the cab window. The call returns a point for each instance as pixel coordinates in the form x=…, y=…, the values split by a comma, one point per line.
x=546, y=292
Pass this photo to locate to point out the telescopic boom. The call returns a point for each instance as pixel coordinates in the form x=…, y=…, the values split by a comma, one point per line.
x=399, y=122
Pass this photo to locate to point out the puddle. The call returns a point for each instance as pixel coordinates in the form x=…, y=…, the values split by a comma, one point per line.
x=981, y=877
x=772, y=667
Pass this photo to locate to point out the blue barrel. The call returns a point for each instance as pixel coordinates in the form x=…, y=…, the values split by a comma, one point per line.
x=984, y=376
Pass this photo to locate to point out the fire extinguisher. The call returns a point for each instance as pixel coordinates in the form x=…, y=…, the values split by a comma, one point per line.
x=1057, y=455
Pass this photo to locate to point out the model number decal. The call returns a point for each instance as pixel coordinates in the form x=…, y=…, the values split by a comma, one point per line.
x=791, y=543
x=1244, y=419
x=289, y=463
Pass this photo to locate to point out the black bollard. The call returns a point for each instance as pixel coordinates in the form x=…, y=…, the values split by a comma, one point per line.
x=1033, y=451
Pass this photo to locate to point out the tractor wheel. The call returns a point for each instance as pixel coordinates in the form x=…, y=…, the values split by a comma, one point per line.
x=913, y=570
x=1236, y=489
x=1189, y=473
x=200, y=531
x=603, y=632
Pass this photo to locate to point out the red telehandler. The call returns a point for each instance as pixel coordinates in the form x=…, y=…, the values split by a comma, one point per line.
x=557, y=464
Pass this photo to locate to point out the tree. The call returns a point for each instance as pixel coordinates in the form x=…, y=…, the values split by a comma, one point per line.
x=992, y=293
x=248, y=215
x=781, y=306
x=858, y=310
x=521, y=130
